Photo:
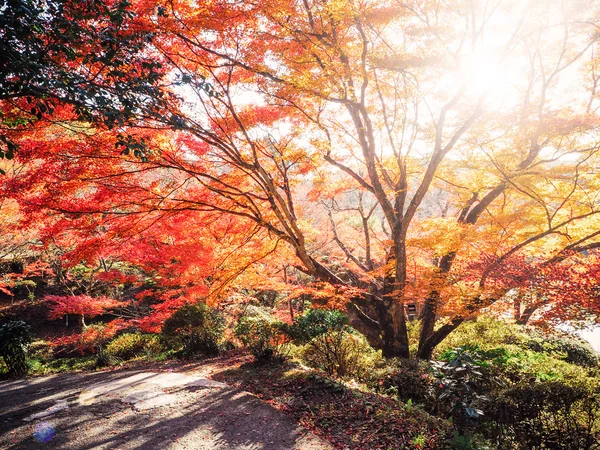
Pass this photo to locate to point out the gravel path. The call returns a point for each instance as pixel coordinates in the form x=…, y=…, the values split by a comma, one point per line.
x=135, y=409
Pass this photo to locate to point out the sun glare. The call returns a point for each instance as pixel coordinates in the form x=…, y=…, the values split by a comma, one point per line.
x=484, y=72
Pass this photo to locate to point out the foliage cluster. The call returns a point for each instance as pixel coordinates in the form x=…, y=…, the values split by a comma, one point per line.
x=408, y=380
x=319, y=338
x=263, y=335
x=342, y=353
x=551, y=414
x=131, y=345
x=566, y=347
x=91, y=340
x=195, y=328
x=15, y=337
x=523, y=399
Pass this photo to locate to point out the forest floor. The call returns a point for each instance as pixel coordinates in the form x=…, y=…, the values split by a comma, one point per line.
x=159, y=406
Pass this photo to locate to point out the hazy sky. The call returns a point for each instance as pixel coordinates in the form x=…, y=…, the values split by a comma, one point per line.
x=592, y=336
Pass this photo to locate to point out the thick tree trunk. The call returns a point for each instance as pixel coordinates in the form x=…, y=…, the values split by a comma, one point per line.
x=364, y=316
x=426, y=348
x=428, y=317
x=394, y=331
x=382, y=322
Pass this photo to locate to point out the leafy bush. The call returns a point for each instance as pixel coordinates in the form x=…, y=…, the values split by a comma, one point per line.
x=91, y=341
x=344, y=353
x=409, y=380
x=488, y=334
x=15, y=338
x=197, y=328
x=547, y=415
x=485, y=333
x=131, y=345
x=40, y=349
x=459, y=388
x=567, y=347
x=330, y=344
x=95, y=337
x=262, y=335
x=317, y=322
x=41, y=367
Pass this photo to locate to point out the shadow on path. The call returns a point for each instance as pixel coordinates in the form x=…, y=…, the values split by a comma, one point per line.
x=200, y=418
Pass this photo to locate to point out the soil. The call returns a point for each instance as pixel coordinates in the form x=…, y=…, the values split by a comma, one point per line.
x=163, y=407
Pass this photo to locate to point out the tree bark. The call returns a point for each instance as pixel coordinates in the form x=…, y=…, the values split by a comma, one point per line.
x=426, y=349
x=428, y=317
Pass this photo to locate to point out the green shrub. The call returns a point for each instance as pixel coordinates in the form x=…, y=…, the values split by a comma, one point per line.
x=406, y=379
x=330, y=344
x=547, y=415
x=459, y=391
x=262, y=335
x=64, y=365
x=40, y=349
x=197, y=328
x=316, y=322
x=131, y=345
x=527, y=364
x=512, y=364
x=15, y=338
x=485, y=333
x=342, y=353
x=567, y=347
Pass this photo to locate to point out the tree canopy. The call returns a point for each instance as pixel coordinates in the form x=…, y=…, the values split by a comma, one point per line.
x=441, y=154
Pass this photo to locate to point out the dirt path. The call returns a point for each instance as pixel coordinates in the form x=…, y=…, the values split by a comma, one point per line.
x=136, y=409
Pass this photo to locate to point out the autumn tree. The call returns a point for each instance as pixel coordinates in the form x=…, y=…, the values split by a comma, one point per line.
x=104, y=217
x=397, y=105
x=442, y=154
x=88, y=57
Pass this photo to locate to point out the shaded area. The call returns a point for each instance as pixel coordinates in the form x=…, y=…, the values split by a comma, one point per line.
x=347, y=417
x=200, y=418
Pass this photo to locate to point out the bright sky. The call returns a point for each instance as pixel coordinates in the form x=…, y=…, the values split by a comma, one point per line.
x=592, y=336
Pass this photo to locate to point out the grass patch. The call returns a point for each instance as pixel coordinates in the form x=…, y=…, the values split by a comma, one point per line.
x=59, y=365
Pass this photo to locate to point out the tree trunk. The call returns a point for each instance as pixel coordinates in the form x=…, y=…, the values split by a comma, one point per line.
x=428, y=317
x=524, y=318
x=517, y=308
x=364, y=316
x=426, y=348
x=392, y=314
x=393, y=329
x=429, y=312
x=382, y=323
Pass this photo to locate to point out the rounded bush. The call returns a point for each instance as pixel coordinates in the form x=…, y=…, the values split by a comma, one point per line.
x=342, y=353
x=262, y=335
x=570, y=348
x=15, y=338
x=408, y=380
x=197, y=328
x=316, y=322
x=131, y=345
x=550, y=414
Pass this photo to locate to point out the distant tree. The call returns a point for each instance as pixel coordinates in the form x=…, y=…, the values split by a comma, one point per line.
x=79, y=305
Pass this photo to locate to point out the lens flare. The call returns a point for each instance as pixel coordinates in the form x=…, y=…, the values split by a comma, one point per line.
x=43, y=432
